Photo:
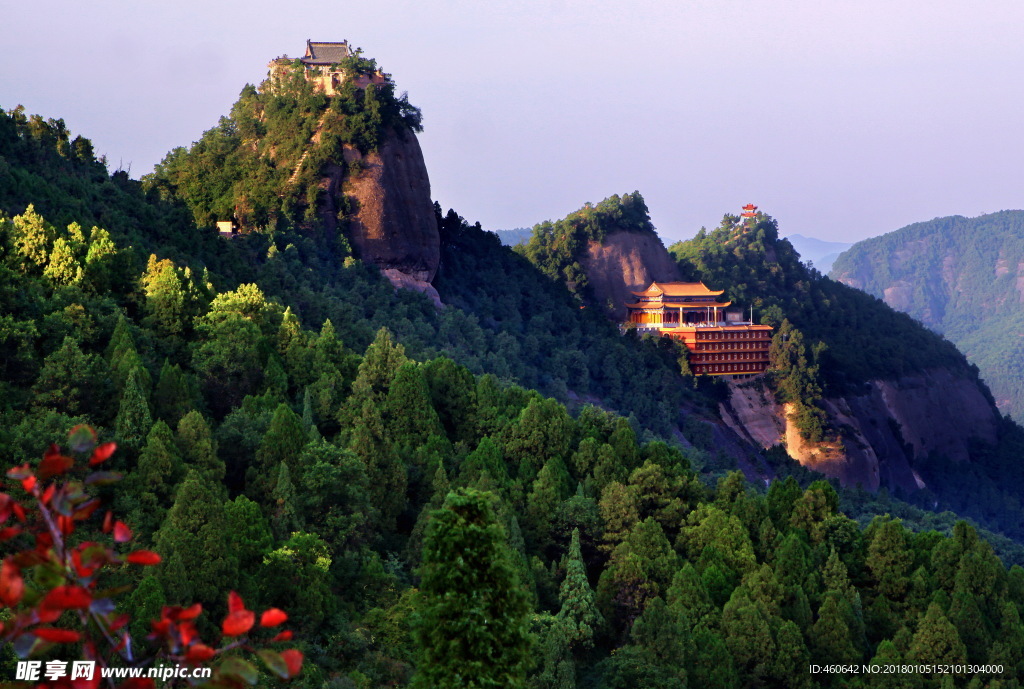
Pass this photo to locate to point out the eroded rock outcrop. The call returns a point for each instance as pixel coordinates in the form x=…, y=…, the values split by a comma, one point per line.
x=885, y=431
x=394, y=226
x=625, y=262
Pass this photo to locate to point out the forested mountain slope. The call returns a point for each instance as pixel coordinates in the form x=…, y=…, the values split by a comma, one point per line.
x=292, y=428
x=962, y=277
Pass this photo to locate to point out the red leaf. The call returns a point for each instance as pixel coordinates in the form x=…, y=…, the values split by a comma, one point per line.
x=48, y=494
x=191, y=612
x=9, y=532
x=199, y=653
x=28, y=483
x=238, y=622
x=102, y=453
x=235, y=603
x=161, y=628
x=57, y=636
x=119, y=622
x=143, y=557
x=108, y=522
x=273, y=617
x=65, y=524
x=286, y=635
x=54, y=465
x=19, y=511
x=293, y=658
x=122, y=534
x=187, y=632
x=47, y=615
x=67, y=597
x=12, y=586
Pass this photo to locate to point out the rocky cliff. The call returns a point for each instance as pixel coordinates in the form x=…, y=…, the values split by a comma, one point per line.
x=626, y=261
x=885, y=431
x=393, y=226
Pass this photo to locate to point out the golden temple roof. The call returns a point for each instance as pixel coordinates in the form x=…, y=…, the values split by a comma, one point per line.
x=678, y=304
x=679, y=289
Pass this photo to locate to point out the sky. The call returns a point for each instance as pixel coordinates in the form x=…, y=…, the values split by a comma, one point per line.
x=841, y=119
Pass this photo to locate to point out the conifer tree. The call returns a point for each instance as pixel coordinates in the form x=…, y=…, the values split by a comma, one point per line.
x=173, y=396
x=579, y=615
x=152, y=482
x=65, y=380
x=283, y=442
x=789, y=667
x=285, y=516
x=889, y=559
x=249, y=540
x=145, y=604
x=195, y=544
x=831, y=635
x=388, y=479
x=199, y=449
x=133, y=417
x=472, y=625
x=557, y=669
x=713, y=664
x=936, y=640
x=748, y=636
x=63, y=267
x=888, y=654
x=32, y=237
x=409, y=417
x=664, y=635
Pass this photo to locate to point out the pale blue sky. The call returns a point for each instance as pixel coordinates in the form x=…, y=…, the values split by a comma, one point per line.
x=841, y=119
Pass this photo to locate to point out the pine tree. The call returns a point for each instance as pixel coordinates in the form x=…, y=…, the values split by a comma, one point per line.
x=63, y=268
x=713, y=664
x=579, y=615
x=199, y=449
x=283, y=442
x=249, y=540
x=133, y=417
x=286, y=517
x=195, y=544
x=156, y=475
x=889, y=559
x=936, y=640
x=65, y=380
x=472, y=628
x=173, y=396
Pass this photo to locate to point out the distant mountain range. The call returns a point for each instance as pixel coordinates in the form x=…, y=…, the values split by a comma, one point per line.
x=819, y=252
x=962, y=277
x=520, y=235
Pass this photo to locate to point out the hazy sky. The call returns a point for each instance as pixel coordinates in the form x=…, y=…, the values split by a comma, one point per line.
x=841, y=119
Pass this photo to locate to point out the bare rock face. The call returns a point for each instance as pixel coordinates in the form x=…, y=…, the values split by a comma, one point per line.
x=625, y=262
x=886, y=430
x=394, y=226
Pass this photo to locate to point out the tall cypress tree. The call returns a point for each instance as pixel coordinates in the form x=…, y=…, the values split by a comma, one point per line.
x=133, y=416
x=472, y=627
x=579, y=614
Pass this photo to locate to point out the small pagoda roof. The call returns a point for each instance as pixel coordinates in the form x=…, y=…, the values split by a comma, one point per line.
x=678, y=304
x=325, y=52
x=679, y=289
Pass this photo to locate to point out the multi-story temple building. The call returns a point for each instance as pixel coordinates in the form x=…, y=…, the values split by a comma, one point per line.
x=719, y=340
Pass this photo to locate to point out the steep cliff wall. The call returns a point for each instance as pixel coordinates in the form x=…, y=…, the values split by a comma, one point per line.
x=884, y=431
x=626, y=261
x=394, y=225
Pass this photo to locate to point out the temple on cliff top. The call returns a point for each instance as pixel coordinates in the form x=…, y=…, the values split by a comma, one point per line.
x=719, y=340
x=321, y=66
